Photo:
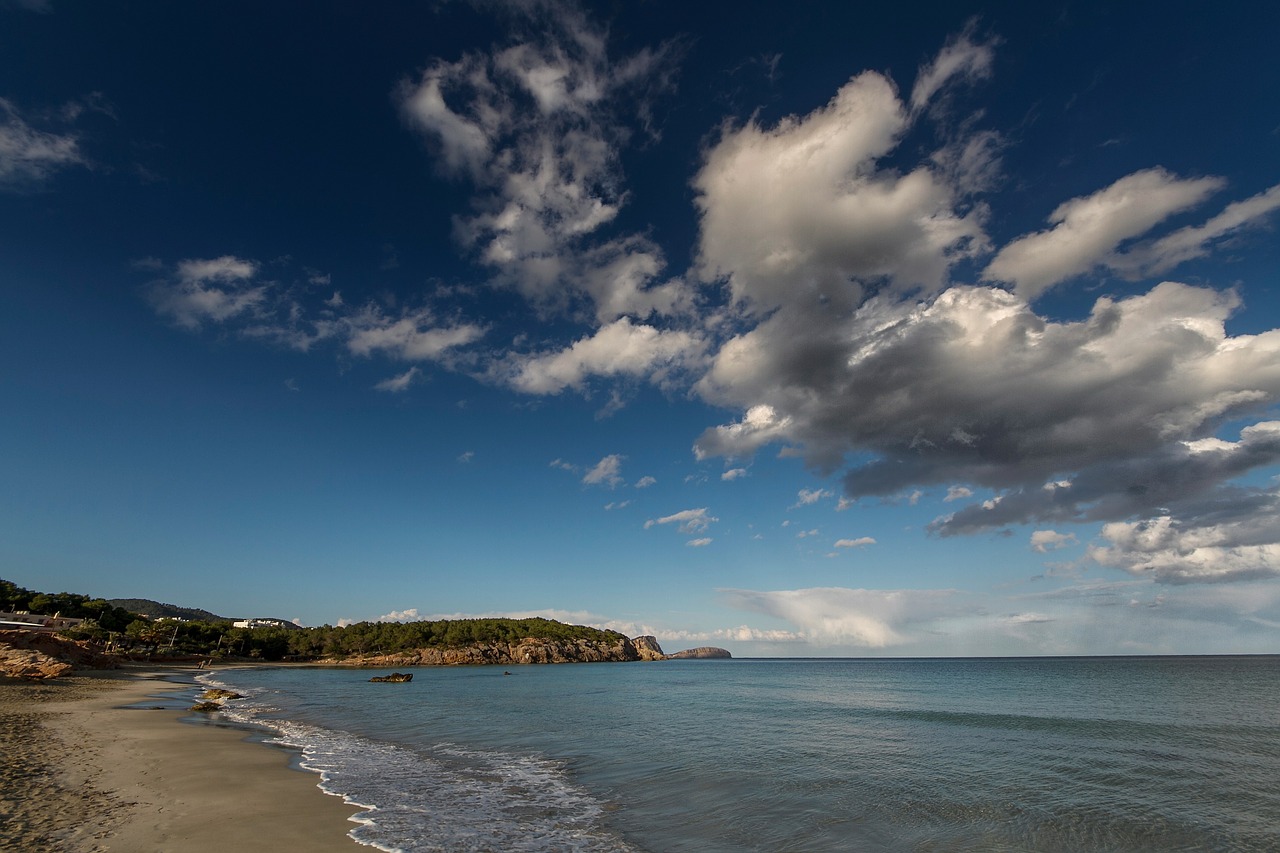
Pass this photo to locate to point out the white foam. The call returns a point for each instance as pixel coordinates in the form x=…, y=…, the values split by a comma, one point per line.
x=442, y=797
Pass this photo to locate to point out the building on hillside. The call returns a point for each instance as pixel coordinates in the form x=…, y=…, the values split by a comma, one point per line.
x=25, y=620
x=262, y=623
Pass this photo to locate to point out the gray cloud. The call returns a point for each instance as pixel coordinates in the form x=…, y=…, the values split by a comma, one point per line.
x=29, y=156
x=535, y=127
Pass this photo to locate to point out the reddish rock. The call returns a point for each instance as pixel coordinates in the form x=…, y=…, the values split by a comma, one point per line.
x=40, y=655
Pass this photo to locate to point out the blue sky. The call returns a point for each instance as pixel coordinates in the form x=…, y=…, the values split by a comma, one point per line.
x=796, y=329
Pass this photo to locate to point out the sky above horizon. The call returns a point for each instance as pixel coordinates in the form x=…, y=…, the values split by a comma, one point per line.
x=795, y=329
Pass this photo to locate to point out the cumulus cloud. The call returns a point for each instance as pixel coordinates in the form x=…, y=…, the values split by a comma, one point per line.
x=687, y=521
x=29, y=156
x=619, y=350
x=974, y=387
x=799, y=212
x=1226, y=545
x=606, y=472
x=1043, y=541
x=1186, y=476
x=733, y=474
x=536, y=126
x=1087, y=230
x=408, y=615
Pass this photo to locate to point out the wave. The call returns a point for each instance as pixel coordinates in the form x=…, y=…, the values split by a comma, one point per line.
x=441, y=797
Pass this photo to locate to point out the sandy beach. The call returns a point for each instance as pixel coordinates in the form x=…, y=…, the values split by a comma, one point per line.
x=83, y=773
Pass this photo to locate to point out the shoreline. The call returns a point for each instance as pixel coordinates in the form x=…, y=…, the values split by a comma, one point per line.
x=86, y=773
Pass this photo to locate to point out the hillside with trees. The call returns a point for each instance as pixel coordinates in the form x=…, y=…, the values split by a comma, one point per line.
x=134, y=634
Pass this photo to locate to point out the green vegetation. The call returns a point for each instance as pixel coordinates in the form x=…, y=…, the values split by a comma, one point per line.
x=109, y=617
x=129, y=632
x=155, y=610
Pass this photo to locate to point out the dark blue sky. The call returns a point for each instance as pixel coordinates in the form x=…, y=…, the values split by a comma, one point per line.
x=793, y=328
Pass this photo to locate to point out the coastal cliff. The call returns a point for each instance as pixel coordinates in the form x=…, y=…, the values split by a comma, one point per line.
x=533, y=650
x=527, y=650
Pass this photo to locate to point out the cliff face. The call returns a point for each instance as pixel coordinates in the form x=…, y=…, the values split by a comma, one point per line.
x=529, y=650
x=648, y=649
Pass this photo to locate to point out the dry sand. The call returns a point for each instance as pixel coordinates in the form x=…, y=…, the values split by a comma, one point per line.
x=82, y=774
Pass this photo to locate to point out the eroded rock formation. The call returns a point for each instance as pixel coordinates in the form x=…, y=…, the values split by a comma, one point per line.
x=40, y=655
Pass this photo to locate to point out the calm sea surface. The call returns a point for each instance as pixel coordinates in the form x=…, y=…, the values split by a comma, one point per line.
x=1029, y=754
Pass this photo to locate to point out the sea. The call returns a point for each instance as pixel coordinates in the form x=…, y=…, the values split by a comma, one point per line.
x=805, y=755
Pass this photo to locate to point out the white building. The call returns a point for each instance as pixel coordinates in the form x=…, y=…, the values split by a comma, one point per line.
x=262, y=623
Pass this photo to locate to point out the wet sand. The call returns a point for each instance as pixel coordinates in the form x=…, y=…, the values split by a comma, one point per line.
x=83, y=774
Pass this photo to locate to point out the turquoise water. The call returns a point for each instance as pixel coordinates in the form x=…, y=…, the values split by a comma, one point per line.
x=1027, y=754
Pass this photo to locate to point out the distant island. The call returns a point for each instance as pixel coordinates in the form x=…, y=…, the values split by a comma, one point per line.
x=87, y=629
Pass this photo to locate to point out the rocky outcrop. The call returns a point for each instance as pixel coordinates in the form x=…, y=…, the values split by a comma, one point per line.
x=701, y=653
x=213, y=700
x=40, y=655
x=648, y=649
x=529, y=650
x=394, y=678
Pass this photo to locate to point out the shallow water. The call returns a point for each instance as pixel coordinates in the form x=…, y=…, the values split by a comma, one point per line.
x=1022, y=754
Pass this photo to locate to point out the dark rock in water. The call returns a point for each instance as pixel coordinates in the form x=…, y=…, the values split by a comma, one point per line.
x=395, y=677
x=206, y=707
x=701, y=653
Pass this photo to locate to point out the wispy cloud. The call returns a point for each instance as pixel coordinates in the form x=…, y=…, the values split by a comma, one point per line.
x=687, y=521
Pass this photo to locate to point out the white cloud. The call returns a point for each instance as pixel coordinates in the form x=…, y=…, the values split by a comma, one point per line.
x=620, y=349
x=860, y=542
x=210, y=290
x=1159, y=256
x=645, y=482
x=1044, y=541
x=688, y=520
x=409, y=615
x=29, y=156
x=699, y=543
x=536, y=127
x=1087, y=230
x=606, y=472
x=852, y=617
x=960, y=57
x=799, y=213
x=807, y=497
x=466, y=456
x=733, y=474
x=1172, y=551
x=760, y=425
x=413, y=336
x=396, y=384
x=972, y=387
x=956, y=493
